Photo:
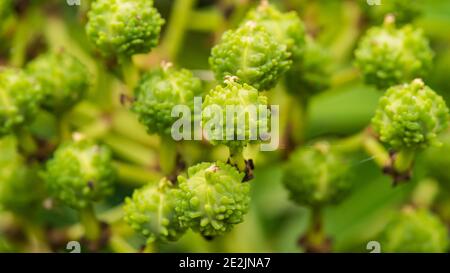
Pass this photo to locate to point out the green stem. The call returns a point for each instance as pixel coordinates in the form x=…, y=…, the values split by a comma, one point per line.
x=206, y=20
x=179, y=17
x=237, y=159
x=134, y=175
x=64, y=128
x=27, y=143
x=130, y=74
x=92, y=229
x=377, y=151
x=350, y=144
x=315, y=236
x=404, y=160
x=120, y=245
x=425, y=193
x=36, y=236
x=167, y=155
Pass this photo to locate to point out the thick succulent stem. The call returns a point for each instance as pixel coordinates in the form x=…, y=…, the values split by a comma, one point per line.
x=404, y=160
x=120, y=245
x=179, y=18
x=92, y=227
x=168, y=155
x=377, y=151
x=315, y=239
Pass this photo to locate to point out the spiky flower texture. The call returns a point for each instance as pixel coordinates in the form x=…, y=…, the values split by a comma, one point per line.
x=64, y=80
x=415, y=231
x=251, y=54
x=213, y=198
x=287, y=28
x=80, y=173
x=159, y=91
x=316, y=176
x=410, y=116
x=124, y=27
x=151, y=211
x=389, y=56
x=20, y=96
x=244, y=99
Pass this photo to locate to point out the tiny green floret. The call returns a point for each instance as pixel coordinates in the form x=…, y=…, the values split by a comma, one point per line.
x=151, y=211
x=410, y=116
x=213, y=198
x=287, y=28
x=251, y=54
x=159, y=91
x=317, y=176
x=415, y=231
x=80, y=173
x=63, y=78
x=389, y=56
x=20, y=96
x=244, y=99
x=124, y=27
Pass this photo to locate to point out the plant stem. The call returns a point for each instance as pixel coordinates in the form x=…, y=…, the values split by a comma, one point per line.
x=36, y=236
x=130, y=74
x=134, y=175
x=92, y=229
x=315, y=239
x=237, y=159
x=120, y=245
x=404, y=160
x=179, y=17
x=167, y=155
x=26, y=142
x=377, y=151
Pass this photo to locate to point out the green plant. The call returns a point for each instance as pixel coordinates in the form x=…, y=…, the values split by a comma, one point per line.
x=404, y=11
x=388, y=55
x=20, y=98
x=213, y=198
x=415, y=231
x=63, y=79
x=152, y=211
x=251, y=54
x=123, y=28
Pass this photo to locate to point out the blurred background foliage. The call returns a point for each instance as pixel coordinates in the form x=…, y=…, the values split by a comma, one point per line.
x=274, y=223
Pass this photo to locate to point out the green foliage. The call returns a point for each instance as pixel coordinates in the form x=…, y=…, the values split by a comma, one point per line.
x=389, y=56
x=80, y=173
x=20, y=96
x=5, y=10
x=415, y=231
x=251, y=54
x=240, y=96
x=151, y=211
x=213, y=198
x=438, y=161
x=124, y=27
x=159, y=91
x=410, y=116
x=316, y=176
x=64, y=80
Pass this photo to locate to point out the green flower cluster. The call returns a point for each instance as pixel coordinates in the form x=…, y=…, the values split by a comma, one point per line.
x=151, y=211
x=20, y=186
x=389, y=56
x=159, y=91
x=210, y=200
x=410, y=116
x=64, y=80
x=213, y=198
x=20, y=96
x=415, y=231
x=124, y=27
x=244, y=99
x=285, y=28
x=80, y=173
x=316, y=175
x=251, y=54
x=311, y=74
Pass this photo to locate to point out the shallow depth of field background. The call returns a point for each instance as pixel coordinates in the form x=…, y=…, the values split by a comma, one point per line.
x=274, y=223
